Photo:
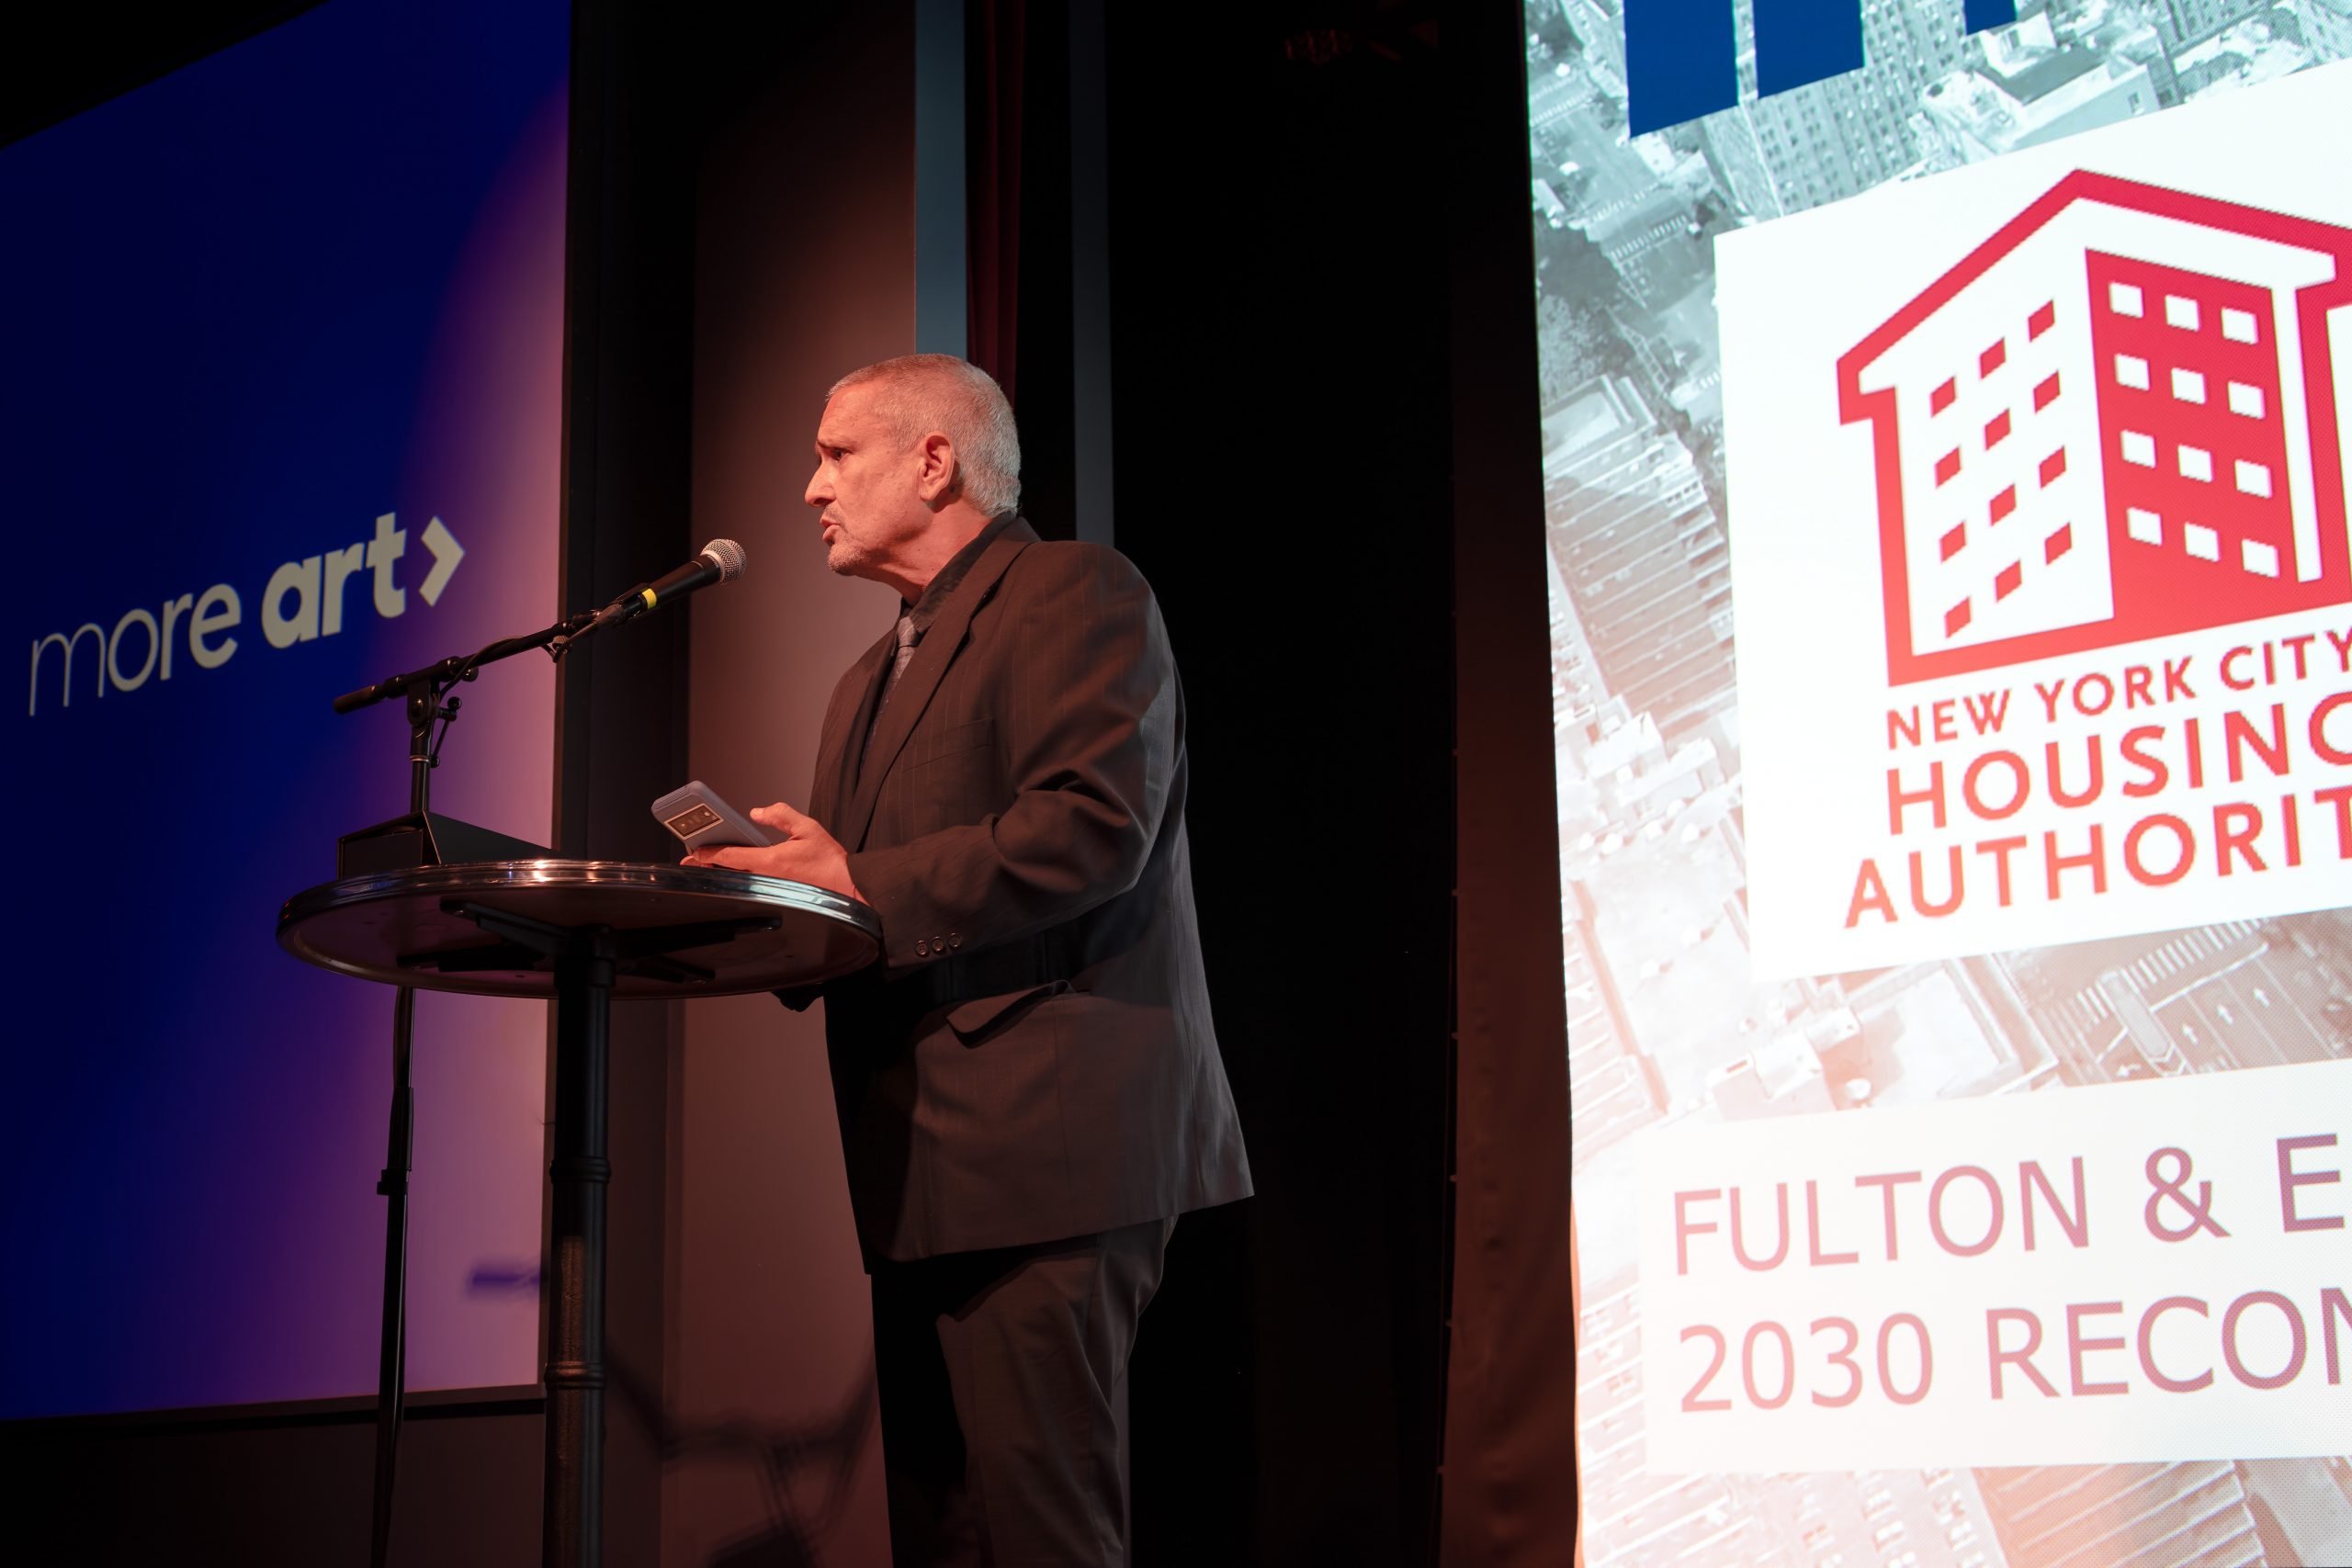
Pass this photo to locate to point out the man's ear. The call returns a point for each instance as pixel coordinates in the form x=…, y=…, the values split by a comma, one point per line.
x=935, y=479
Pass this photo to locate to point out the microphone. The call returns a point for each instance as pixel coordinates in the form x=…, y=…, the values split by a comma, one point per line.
x=721, y=562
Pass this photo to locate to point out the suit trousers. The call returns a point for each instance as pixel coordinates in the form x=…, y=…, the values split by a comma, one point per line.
x=1003, y=1384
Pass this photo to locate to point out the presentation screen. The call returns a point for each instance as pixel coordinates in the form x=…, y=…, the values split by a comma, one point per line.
x=280, y=351
x=1944, y=423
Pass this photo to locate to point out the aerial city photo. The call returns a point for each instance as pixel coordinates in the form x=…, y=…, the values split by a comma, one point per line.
x=1667, y=1022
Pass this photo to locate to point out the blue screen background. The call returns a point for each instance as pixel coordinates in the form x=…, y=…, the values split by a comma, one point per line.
x=245, y=310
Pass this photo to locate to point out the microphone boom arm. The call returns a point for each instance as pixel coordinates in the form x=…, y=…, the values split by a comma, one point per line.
x=445, y=672
x=721, y=560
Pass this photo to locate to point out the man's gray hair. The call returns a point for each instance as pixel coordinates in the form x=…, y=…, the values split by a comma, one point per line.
x=918, y=393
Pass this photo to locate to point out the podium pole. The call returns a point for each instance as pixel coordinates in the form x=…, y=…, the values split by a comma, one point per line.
x=586, y=959
x=572, y=1533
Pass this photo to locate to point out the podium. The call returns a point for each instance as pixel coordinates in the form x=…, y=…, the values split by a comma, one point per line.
x=581, y=932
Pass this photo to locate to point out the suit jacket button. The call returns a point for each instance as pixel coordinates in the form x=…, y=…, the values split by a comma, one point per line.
x=923, y=950
x=954, y=941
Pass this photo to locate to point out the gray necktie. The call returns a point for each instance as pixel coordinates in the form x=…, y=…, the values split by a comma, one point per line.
x=899, y=663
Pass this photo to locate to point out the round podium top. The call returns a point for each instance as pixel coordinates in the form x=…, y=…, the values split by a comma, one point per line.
x=410, y=928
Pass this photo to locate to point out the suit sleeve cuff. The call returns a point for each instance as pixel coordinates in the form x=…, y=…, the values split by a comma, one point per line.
x=915, y=931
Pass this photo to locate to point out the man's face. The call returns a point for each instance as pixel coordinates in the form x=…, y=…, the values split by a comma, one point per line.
x=864, y=488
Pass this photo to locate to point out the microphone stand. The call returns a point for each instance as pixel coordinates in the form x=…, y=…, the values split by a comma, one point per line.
x=421, y=691
x=444, y=673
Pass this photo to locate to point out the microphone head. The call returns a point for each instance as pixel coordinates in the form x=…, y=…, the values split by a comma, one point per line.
x=727, y=555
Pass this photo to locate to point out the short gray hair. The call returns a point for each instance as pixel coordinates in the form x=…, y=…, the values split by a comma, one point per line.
x=918, y=393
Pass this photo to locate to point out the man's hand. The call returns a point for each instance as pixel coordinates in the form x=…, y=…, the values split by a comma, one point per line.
x=808, y=855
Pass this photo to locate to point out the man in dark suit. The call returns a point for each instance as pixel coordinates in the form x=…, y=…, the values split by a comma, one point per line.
x=1028, y=1083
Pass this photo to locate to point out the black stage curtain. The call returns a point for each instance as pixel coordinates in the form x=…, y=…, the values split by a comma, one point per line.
x=995, y=33
x=1511, y=1478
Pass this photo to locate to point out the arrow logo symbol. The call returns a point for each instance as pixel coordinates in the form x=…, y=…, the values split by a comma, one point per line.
x=447, y=554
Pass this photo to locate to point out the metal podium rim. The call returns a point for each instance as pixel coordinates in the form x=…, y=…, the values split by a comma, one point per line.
x=493, y=876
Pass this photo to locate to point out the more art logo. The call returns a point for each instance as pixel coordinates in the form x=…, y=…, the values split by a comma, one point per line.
x=2114, y=419
x=303, y=600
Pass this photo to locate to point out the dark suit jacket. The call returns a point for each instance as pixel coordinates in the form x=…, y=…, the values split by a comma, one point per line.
x=1033, y=1058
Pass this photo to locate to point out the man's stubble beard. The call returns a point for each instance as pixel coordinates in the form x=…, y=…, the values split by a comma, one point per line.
x=842, y=555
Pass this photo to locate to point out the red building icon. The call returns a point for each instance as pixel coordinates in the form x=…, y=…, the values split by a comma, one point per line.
x=2114, y=419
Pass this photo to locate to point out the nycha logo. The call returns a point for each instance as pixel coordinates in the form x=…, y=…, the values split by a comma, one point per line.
x=2038, y=517
x=2113, y=421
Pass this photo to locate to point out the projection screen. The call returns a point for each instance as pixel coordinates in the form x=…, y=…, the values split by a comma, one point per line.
x=1952, y=674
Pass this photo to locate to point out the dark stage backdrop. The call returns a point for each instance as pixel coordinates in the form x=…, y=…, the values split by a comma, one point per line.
x=280, y=357
x=768, y=1330
x=1316, y=280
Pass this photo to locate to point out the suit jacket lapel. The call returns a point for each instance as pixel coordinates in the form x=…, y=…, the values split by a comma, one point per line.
x=847, y=721
x=933, y=656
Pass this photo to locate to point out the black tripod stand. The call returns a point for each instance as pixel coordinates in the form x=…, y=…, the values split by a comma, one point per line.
x=418, y=838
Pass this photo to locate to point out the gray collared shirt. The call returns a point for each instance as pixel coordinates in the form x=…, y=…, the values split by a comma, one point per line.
x=925, y=610
x=915, y=619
